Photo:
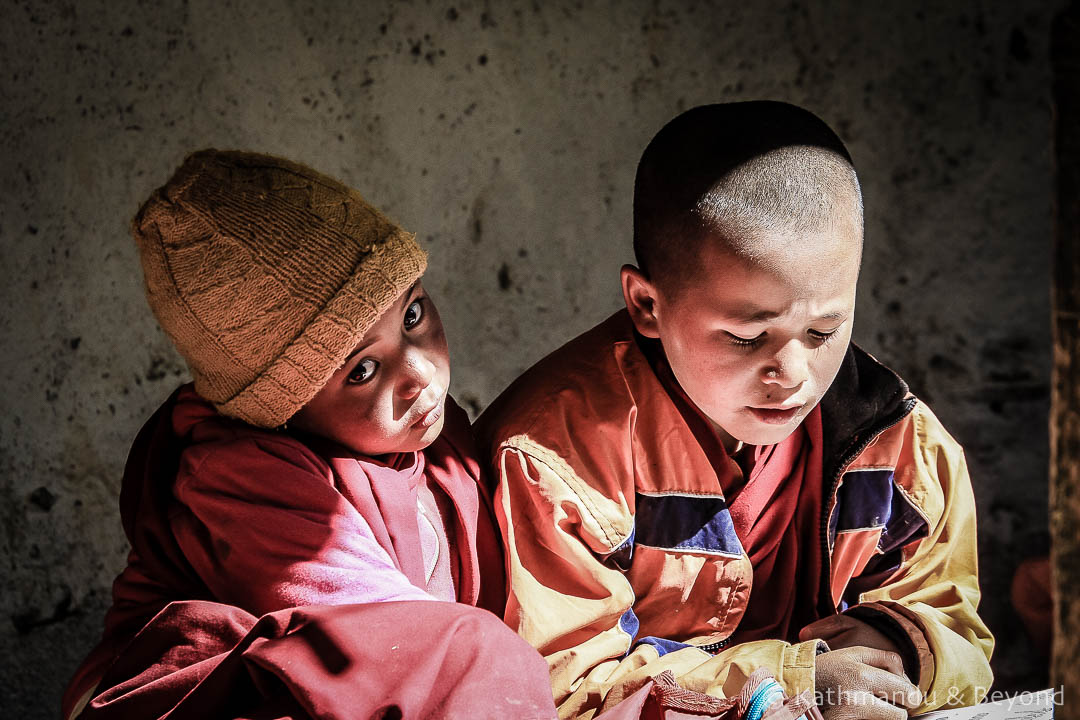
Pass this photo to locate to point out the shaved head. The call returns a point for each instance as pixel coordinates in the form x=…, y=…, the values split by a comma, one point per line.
x=748, y=175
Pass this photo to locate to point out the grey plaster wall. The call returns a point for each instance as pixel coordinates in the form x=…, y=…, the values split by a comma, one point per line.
x=506, y=135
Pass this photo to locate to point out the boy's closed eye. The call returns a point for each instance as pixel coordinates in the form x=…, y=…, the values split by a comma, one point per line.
x=823, y=336
x=745, y=341
x=820, y=336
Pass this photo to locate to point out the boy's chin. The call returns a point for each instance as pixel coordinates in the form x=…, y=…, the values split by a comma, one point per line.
x=762, y=434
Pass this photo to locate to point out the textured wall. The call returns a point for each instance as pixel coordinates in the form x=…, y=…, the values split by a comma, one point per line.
x=506, y=135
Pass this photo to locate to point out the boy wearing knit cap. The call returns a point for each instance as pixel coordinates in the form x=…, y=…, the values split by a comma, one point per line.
x=296, y=513
x=715, y=480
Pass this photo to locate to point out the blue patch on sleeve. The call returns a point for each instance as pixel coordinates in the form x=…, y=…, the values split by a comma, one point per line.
x=689, y=523
x=663, y=645
x=870, y=499
x=630, y=624
x=865, y=499
x=906, y=524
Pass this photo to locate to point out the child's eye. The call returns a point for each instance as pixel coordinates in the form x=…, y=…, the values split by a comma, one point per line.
x=822, y=337
x=413, y=314
x=745, y=342
x=363, y=371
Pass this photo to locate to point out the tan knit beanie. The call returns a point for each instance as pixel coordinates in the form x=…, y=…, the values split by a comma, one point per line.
x=266, y=274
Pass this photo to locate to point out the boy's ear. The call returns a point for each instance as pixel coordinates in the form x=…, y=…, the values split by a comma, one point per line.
x=640, y=296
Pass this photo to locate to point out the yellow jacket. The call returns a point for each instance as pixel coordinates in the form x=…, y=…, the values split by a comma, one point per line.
x=623, y=561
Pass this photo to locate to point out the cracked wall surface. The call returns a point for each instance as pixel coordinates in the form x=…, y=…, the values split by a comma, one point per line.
x=506, y=135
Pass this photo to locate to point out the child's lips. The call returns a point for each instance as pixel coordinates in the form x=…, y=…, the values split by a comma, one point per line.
x=775, y=416
x=431, y=416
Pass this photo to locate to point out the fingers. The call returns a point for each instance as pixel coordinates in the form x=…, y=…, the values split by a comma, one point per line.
x=883, y=659
x=862, y=676
x=893, y=688
x=866, y=708
x=884, y=676
x=877, y=709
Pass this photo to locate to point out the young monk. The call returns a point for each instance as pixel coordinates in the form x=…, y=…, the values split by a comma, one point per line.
x=715, y=479
x=310, y=533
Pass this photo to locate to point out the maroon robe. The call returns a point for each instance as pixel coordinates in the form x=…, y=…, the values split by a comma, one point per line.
x=274, y=577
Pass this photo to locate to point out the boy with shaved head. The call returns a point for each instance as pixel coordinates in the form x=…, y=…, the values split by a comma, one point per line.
x=716, y=479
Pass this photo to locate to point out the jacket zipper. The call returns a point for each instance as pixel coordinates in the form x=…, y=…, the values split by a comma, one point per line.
x=847, y=458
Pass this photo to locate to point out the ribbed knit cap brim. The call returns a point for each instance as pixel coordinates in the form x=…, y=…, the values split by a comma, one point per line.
x=266, y=274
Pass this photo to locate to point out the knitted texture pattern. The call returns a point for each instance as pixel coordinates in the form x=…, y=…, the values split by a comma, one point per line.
x=266, y=274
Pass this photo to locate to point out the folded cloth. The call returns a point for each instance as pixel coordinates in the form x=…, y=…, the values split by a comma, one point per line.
x=410, y=659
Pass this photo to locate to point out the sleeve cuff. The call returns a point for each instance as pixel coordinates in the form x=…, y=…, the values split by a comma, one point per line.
x=799, y=661
x=901, y=626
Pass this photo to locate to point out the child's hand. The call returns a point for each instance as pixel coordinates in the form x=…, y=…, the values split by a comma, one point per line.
x=862, y=683
x=842, y=631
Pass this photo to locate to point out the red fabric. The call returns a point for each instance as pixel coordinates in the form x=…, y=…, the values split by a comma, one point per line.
x=331, y=527
x=775, y=513
x=218, y=510
x=202, y=659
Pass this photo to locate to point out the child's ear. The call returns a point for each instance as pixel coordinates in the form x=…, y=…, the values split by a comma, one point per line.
x=640, y=296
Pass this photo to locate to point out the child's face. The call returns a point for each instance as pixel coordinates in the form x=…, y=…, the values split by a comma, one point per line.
x=755, y=344
x=390, y=393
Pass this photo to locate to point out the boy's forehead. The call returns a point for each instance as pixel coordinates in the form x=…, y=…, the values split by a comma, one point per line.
x=818, y=264
x=770, y=246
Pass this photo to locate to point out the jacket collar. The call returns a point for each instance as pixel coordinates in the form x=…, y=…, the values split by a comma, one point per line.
x=865, y=398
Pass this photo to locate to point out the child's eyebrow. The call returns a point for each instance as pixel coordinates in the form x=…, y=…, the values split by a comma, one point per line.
x=835, y=315
x=357, y=350
x=749, y=316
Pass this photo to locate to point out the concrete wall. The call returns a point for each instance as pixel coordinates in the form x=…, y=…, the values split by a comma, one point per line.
x=506, y=135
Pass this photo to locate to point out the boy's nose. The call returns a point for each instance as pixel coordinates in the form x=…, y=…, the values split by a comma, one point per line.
x=418, y=372
x=789, y=367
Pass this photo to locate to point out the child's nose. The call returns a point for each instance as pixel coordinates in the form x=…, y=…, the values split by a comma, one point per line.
x=418, y=373
x=789, y=367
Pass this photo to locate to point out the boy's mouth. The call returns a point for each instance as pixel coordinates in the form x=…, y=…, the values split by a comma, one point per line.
x=775, y=416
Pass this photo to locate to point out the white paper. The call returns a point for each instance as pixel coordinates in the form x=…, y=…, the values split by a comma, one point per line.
x=1025, y=706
